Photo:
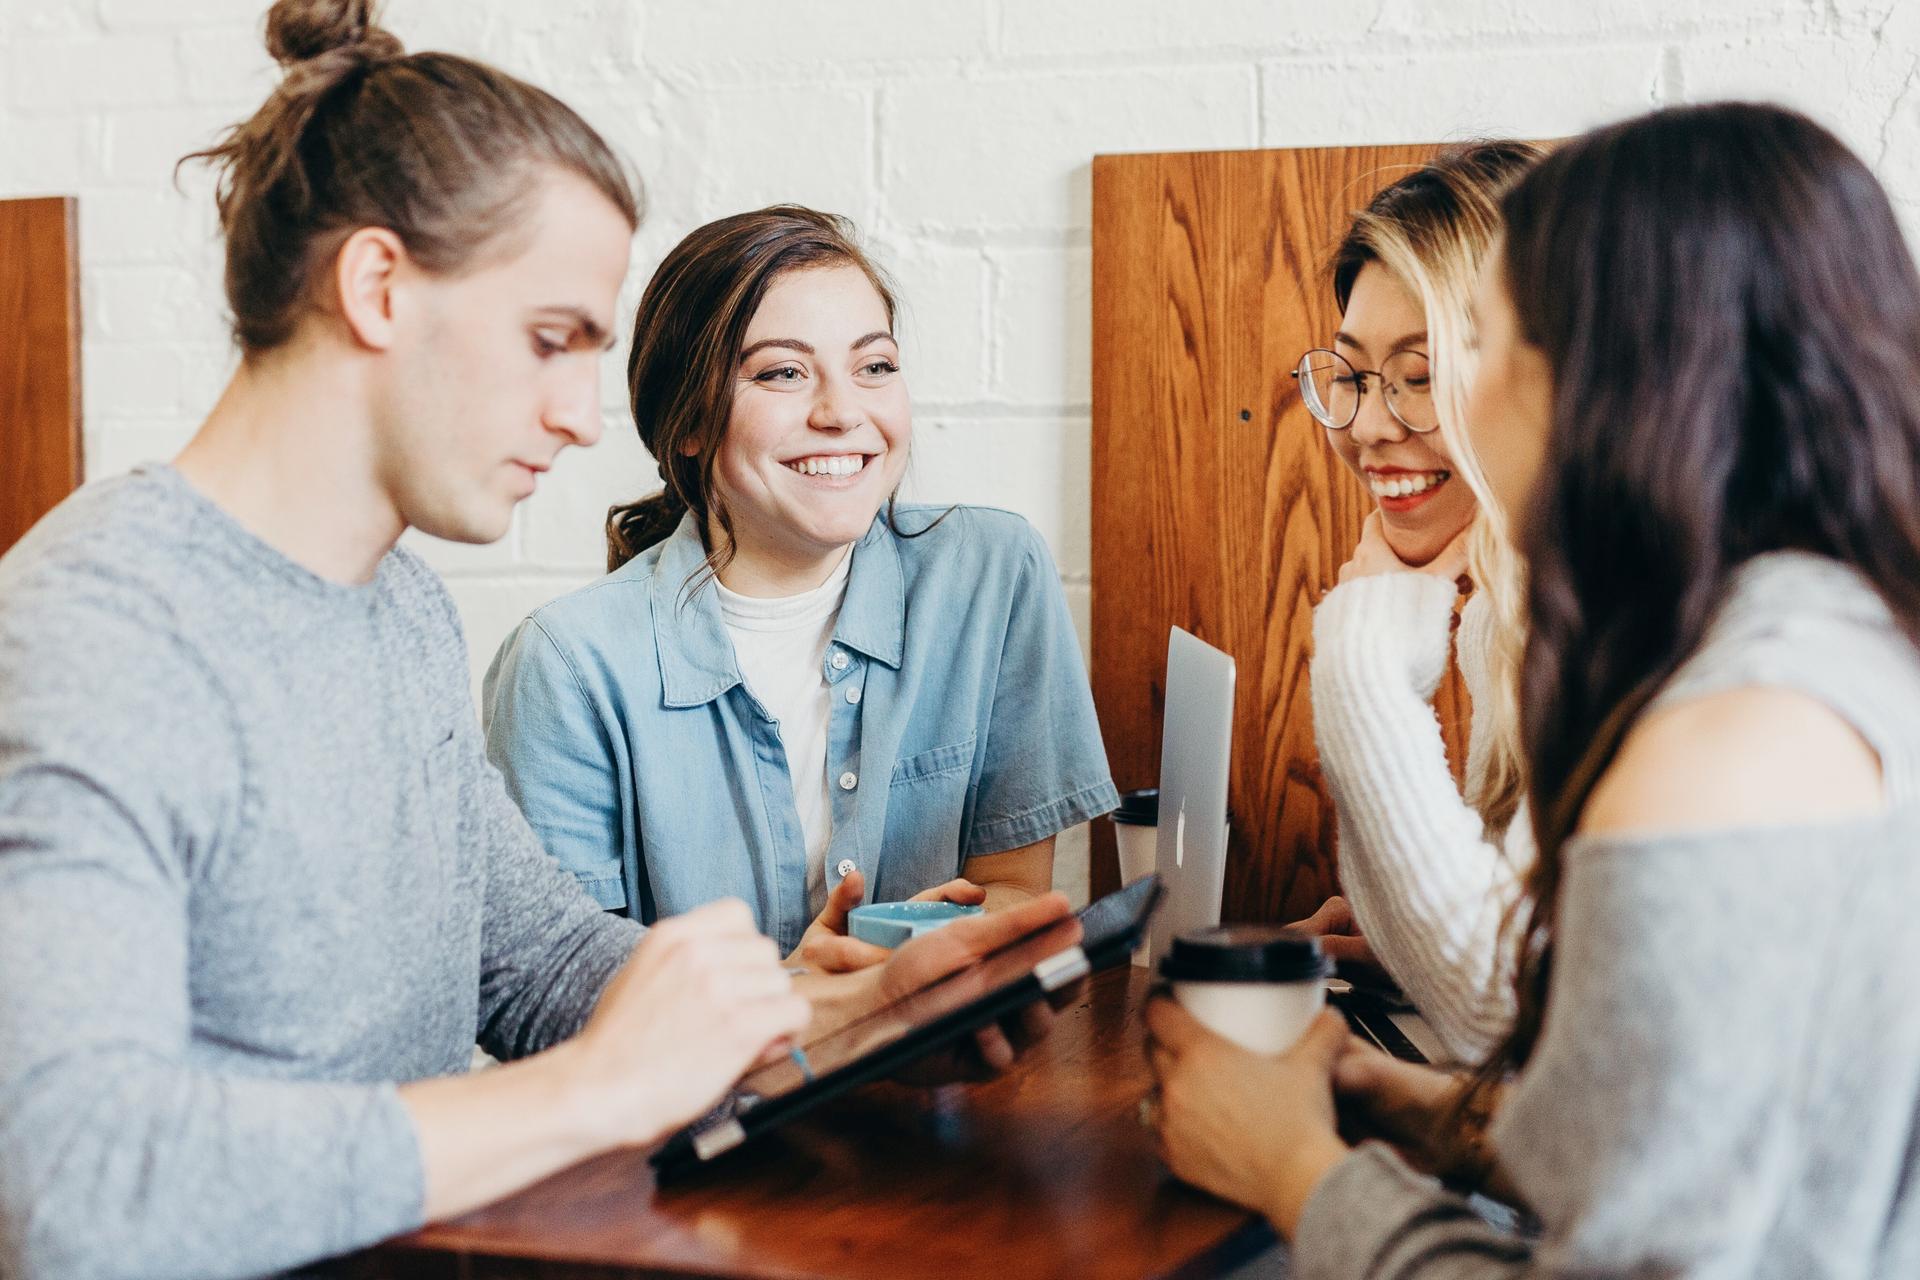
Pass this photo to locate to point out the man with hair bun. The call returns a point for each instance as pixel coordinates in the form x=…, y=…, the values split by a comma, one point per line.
x=260, y=891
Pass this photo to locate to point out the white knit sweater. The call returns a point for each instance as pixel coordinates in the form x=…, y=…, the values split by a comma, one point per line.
x=1427, y=886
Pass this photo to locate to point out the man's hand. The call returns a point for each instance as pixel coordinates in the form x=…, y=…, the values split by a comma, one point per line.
x=825, y=946
x=701, y=999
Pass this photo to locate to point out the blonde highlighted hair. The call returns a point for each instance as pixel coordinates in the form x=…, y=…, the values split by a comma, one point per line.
x=1432, y=230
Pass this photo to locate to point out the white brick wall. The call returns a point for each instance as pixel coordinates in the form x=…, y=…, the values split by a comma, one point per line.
x=957, y=133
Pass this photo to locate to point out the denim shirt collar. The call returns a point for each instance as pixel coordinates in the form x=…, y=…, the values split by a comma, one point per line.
x=690, y=637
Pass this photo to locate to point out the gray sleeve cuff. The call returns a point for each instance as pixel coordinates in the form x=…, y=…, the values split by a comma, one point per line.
x=1372, y=1215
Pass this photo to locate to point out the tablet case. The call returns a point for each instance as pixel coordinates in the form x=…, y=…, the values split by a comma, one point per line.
x=1111, y=928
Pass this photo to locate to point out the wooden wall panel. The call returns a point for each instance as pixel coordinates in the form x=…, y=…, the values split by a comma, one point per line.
x=1217, y=505
x=39, y=360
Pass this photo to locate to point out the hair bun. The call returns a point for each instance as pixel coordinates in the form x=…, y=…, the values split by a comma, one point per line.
x=299, y=30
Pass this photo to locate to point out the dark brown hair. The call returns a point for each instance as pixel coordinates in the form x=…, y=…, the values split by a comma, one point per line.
x=443, y=151
x=1731, y=317
x=687, y=335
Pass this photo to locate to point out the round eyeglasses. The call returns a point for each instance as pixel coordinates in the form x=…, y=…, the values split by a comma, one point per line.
x=1332, y=388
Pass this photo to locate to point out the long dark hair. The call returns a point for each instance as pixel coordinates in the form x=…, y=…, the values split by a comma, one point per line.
x=443, y=151
x=687, y=335
x=1732, y=321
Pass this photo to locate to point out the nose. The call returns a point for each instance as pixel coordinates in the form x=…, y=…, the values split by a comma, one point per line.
x=573, y=410
x=834, y=408
x=1375, y=424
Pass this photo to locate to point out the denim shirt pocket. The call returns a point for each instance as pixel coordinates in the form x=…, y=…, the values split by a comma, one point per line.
x=926, y=804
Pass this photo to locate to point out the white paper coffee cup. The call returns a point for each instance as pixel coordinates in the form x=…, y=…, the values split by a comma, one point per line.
x=1260, y=986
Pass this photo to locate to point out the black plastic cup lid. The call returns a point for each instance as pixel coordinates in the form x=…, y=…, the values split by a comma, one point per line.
x=1142, y=809
x=1245, y=953
x=1139, y=808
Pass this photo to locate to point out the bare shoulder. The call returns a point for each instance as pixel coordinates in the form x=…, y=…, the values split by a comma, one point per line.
x=1753, y=756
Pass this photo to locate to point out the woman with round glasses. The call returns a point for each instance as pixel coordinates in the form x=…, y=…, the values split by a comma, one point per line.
x=1425, y=874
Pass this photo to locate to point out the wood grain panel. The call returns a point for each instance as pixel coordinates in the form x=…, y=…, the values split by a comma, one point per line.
x=1217, y=505
x=39, y=360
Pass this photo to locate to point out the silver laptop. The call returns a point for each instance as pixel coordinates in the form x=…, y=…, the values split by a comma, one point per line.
x=1196, y=745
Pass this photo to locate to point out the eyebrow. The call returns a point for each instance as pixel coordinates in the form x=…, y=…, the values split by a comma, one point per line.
x=806, y=348
x=1415, y=339
x=591, y=330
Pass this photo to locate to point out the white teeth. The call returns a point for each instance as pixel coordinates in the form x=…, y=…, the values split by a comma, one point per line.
x=839, y=464
x=1405, y=486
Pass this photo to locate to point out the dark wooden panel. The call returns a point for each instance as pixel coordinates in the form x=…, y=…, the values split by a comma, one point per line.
x=39, y=360
x=1044, y=1172
x=1217, y=505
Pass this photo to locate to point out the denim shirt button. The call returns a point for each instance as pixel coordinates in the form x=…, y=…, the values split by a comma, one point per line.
x=845, y=869
x=839, y=660
x=853, y=694
x=849, y=780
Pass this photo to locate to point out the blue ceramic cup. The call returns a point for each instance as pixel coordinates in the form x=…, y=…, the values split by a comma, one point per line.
x=888, y=924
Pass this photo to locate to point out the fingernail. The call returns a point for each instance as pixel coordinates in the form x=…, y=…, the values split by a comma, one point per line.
x=1464, y=582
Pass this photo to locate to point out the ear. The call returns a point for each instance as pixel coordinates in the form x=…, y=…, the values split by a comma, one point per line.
x=365, y=272
x=689, y=448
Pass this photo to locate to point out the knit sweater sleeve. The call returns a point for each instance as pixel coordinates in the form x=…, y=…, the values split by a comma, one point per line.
x=1427, y=887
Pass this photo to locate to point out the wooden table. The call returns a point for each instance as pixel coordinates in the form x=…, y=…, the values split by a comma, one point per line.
x=1045, y=1172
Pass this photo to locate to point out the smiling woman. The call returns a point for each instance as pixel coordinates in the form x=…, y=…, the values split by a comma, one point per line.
x=789, y=688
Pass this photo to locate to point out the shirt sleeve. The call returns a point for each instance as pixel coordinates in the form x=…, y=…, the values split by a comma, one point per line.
x=558, y=761
x=1044, y=767
x=1428, y=888
x=1646, y=1132
x=548, y=949
x=120, y=771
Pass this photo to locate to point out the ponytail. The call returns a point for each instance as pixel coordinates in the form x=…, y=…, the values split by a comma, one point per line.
x=634, y=526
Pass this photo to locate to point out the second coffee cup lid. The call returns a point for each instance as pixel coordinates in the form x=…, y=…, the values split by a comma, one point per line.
x=1245, y=953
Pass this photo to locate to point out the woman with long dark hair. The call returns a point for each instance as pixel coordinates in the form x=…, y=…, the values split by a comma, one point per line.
x=1699, y=397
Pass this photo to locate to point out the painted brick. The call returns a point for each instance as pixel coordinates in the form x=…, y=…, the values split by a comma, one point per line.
x=228, y=65
x=1016, y=152
x=143, y=146
x=563, y=524
x=491, y=608
x=1439, y=97
x=133, y=380
x=1240, y=28
x=173, y=14
x=1042, y=335
x=1035, y=466
x=1459, y=20
x=124, y=446
x=942, y=320
x=116, y=71
x=1850, y=85
x=149, y=304
x=49, y=155
x=799, y=37
x=741, y=148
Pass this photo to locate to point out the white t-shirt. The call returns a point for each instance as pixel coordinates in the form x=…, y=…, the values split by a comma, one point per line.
x=781, y=645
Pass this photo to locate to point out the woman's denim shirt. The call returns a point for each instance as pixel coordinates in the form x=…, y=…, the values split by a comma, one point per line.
x=961, y=724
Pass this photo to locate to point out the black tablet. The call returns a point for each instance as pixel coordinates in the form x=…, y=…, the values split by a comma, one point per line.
x=882, y=1042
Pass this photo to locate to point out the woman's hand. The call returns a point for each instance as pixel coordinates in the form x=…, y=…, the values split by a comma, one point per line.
x=700, y=1000
x=1374, y=555
x=1339, y=933
x=1400, y=1102
x=1257, y=1130
x=825, y=946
